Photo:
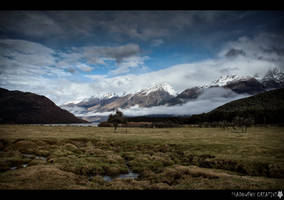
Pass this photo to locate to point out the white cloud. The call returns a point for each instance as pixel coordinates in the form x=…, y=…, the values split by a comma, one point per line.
x=29, y=66
x=133, y=62
x=27, y=63
x=26, y=52
x=84, y=67
x=264, y=47
x=118, y=53
x=122, y=57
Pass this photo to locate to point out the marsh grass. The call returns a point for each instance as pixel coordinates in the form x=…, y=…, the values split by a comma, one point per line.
x=166, y=158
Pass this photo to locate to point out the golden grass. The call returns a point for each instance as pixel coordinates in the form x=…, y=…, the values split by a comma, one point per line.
x=167, y=158
x=259, y=142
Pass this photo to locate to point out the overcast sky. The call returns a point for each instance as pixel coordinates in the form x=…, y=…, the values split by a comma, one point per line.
x=71, y=55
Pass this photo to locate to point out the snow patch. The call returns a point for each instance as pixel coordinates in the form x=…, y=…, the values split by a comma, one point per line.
x=161, y=86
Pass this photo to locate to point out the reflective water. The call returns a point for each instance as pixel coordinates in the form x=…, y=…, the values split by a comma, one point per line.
x=32, y=156
x=24, y=165
x=130, y=174
x=35, y=156
x=13, y=168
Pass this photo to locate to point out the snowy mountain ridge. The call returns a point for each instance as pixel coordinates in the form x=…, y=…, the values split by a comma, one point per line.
x=274, y=74
x=225, y=79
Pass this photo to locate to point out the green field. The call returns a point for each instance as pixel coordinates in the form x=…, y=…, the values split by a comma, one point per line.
x=43, y=157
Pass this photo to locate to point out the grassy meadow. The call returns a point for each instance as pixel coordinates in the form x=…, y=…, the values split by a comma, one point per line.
x=72, y=157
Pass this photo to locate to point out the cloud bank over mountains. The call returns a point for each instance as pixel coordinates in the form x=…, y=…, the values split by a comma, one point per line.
x=71, y=55
x=207, y=101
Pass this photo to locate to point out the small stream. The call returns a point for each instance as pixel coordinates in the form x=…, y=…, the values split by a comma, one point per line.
x=35, y=157
x=22, y=166
x=32, y=156
x=130, y=174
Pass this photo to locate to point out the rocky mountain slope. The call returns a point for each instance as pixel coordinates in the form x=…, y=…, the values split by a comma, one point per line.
x=144, y=98
x=29, y=108
x=273, y=79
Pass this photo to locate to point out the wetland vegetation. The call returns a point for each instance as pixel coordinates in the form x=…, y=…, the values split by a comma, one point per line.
x=70, y=157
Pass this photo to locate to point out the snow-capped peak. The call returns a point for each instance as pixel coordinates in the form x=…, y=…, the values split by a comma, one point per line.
x=223, y=80
x=160, y=86
x=274, y=74
x=109, y=95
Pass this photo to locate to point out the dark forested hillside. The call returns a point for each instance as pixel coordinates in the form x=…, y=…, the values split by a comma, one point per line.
x=267, y=107
x=30, y=108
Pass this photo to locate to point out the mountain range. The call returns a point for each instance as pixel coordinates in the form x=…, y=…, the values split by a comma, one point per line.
x=30, y=108
x=153, y=96
x=164, y=94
